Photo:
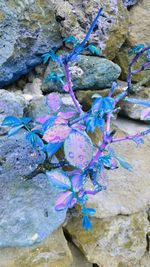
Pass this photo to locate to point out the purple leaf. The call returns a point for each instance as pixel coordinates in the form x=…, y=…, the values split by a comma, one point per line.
x=57, y=133
x=77, y=182
x=64, y=200
x=67, y=115
x=54, y=101
x=43, y=119
x=78, y=149
x=145, y=115
x=59, y=179
x=73, y=202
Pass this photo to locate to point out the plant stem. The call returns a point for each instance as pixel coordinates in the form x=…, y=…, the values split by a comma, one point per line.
x=84, y=116
x=131, y=63
x=131, y=137
x=68, y=78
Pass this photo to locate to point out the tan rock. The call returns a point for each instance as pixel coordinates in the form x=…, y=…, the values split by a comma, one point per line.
x=79, y=259
x=139, y=24
x=127, y=192
x=134, y=111
x=53, y=252
x=113, y=241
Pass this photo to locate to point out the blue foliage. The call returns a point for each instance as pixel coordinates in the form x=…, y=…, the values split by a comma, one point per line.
x=102, y=105
x=136, y=49
x=51, y=149
x=93, y=49
x=34, y=140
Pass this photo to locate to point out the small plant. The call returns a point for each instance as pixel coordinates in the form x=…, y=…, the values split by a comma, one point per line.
x=88, y=163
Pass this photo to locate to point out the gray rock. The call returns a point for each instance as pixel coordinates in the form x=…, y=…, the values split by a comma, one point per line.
x=17, y=157
x=128, y=3
x=11, y=104
x=89, y=72
x=27, y=213
x=27, y=29
x=75, y=17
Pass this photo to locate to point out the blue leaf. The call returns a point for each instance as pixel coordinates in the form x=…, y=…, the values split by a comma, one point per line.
x=102, y=105
x=51, y=54
x=136, y=49
x=124, y=164
x=92, y=122
x=52, y=148
x=26, y=120
x=94, y=50
x=86, y=224
x=50, y=122
x=88, y=211
x=15, y=129
x=10, y=121
x=71, y=39
x=34, y=139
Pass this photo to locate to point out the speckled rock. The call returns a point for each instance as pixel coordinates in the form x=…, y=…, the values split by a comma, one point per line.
x=127, y=192
x=52, y=252
x=76, y=16
x=89, y=72
x=28, y=29
x=11, y=104
x=112, y=242
x=17, y=157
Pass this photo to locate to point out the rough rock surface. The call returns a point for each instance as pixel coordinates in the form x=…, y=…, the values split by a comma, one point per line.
x=89, y=72
x=28, y=29
x=79, y=259
x=27, y=213
x=76, y=16
x=113, y=241
x=52, y=252
x=11, y=104
x=139, y=24
x=129, y=3
x=127, y=192
x=134, y=111
x=123, y=59
x=17, y=157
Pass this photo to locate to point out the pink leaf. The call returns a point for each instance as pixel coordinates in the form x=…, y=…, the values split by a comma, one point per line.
x=43, y=119
x=54, y=101
x=57, y=133
x=64, y=200
x=67, y=115
x=78, y=126
x=59, y=179
x=78, y=149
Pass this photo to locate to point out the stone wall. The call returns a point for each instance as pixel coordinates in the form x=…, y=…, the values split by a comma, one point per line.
x=32, y=233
